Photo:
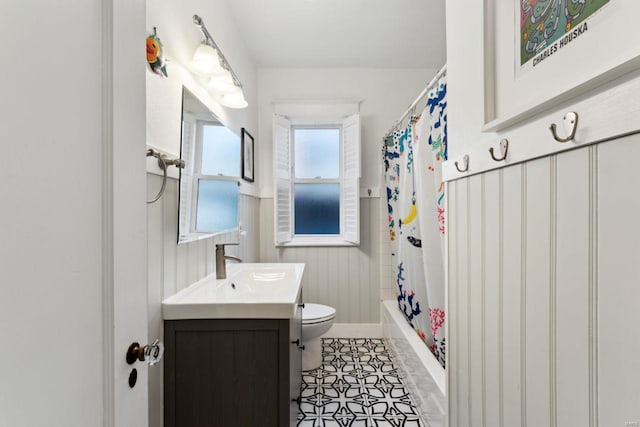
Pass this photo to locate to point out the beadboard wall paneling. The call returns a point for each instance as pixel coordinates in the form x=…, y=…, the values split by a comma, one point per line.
x=452, y=301
x=572, y=295
x=492, y=298
x=615, y=279
x=347, y=278
x=543, y=291
x=512, y=310
x=538, y=224
x=475, y=295
x=461, y=200
x=173, y=267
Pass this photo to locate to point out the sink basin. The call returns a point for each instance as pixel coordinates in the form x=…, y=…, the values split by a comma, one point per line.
x=264, y=291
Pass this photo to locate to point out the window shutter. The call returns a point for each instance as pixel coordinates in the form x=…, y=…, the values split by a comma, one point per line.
x=282, y=179
x=351, y=178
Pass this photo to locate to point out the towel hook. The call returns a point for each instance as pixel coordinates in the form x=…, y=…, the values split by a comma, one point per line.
x=570, y=125
x=163, y=165
x=465, y=161
x=504, y=149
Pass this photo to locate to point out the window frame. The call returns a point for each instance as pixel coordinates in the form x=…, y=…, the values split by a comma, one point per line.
x=348, y=124
x=316, y=238
x=199, y=176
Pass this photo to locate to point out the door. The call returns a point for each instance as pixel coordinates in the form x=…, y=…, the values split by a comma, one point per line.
x=72, y=217
x=128, y=178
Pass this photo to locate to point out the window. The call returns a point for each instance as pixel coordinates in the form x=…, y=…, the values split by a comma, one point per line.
x=316, y=181
x=209, y=182
x=317, y=188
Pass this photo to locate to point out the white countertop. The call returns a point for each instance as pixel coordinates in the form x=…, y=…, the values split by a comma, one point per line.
x=250, y=291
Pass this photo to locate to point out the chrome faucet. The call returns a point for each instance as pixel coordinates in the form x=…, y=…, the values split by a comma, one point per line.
x=221, y=266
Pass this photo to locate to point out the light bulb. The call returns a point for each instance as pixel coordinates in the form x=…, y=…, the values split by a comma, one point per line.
x=205, y=60
x=234, y=100
x=223, y=83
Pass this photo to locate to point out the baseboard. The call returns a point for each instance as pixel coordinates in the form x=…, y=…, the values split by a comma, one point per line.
x=355, y=330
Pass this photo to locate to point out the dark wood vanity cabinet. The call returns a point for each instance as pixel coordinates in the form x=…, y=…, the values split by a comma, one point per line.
x=232, y=372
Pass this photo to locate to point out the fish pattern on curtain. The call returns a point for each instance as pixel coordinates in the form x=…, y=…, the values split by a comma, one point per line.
x=415, y=194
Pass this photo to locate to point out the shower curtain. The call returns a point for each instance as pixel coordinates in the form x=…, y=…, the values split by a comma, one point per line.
x=413, y=159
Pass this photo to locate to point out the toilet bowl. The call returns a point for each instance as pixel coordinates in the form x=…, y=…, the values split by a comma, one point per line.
x=317, y=319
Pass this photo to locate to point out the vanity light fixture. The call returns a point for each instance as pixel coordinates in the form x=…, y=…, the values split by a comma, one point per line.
x=234, y=100
x=206, y=61
x=223, y=84
x=210, y=63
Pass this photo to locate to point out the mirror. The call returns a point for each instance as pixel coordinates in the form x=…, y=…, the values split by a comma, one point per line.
x=209, y=183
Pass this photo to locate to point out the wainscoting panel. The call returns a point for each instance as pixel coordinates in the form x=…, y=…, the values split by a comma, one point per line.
x=571, y=311
x=616, y=285
x=453, y=353
x=544, y=277
x=492, y=303
x=512, y=311
x=460, y=246
x=476, y=301
x=347, y=278
x=537, y=292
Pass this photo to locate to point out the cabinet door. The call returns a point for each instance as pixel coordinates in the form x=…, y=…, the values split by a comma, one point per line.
x=227, y=373
x=295, y=361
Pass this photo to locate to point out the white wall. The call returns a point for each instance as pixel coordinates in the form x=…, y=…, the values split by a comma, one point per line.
x=542, y=271
x=172, y=267
x=180, y=37
x=350, y=279
x=51, y=218
x=385, y=95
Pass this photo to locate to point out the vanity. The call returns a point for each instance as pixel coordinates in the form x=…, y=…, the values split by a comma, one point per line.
x=233, y=349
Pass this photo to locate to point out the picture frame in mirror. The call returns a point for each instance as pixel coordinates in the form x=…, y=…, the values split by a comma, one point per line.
x=247, y=147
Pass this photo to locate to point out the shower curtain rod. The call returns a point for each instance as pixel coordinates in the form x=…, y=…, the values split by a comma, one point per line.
x=432, y=83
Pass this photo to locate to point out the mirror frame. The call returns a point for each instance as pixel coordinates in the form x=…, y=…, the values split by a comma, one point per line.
x=191, y=235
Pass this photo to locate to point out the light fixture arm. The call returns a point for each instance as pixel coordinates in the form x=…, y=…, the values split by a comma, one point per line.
x=209, y=40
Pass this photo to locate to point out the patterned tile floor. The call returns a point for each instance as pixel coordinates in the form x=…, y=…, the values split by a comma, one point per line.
x=356, y=386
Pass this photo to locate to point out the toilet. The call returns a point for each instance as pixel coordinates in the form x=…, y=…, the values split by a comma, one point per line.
x=317, y=319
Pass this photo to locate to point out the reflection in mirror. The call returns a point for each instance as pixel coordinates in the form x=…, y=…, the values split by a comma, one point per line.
x=209, y=184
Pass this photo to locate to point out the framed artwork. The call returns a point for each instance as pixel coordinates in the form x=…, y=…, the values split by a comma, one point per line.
x=546, y=27
x=541, y=53
x=247, y=156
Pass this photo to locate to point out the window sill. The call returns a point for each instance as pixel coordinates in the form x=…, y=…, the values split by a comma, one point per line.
x=297, y=244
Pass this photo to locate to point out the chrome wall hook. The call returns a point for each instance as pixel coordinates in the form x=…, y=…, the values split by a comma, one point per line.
x=179, y=163
x=570, y=122
x=465, y=163
x=163, y=163
x=504, y=150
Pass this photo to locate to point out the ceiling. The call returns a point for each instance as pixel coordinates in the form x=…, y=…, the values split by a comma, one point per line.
x=343, y=33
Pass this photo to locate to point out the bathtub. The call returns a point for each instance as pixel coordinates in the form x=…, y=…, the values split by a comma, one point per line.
x=424, y=377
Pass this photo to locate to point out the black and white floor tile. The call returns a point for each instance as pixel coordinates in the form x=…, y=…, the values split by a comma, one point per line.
x=356, y=386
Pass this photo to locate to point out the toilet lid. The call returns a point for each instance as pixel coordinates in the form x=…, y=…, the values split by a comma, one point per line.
x=316, y=313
